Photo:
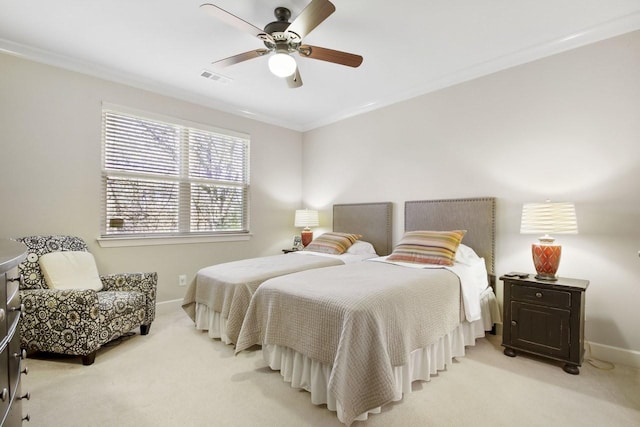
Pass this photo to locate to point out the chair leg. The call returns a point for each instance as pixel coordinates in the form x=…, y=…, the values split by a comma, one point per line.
x=88, y=359
x=144, y=329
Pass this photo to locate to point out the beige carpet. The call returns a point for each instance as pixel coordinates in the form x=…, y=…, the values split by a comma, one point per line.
x=177, y=376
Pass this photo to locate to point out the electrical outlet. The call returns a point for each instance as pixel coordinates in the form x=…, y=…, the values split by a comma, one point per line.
x=182, y=280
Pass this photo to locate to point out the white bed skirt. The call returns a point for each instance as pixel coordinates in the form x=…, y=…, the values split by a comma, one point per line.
x=212, y=322
x=313, y=376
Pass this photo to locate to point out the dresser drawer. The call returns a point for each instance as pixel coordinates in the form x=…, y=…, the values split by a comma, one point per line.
x=3, y=305
x=5, y=395
x=15, y=363
x=13, y=310
x=13, y=283
x=549, y=297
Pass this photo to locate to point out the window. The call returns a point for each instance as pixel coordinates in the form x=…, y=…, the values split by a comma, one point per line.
x=166, y=179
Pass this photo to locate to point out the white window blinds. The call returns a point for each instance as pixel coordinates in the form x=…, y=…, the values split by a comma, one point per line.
x=164, y=179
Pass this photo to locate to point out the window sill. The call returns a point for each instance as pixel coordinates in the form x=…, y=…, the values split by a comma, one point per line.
x=116, y=242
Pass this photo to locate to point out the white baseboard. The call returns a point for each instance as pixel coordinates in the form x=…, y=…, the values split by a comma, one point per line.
x=606, y=353
x=167, y=307
x=616, y=355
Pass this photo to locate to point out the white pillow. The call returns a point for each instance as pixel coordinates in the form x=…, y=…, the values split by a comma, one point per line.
x=362, y=248
x=70, y=270
x=466, y=255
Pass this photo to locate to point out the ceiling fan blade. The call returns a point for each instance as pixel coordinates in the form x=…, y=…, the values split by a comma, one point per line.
x=312, y=15
x=330, y=55
x=234, y=21
x=294, y=80
x=240, y=57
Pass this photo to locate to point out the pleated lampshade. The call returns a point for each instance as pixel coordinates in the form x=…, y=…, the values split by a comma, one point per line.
x=545, y=219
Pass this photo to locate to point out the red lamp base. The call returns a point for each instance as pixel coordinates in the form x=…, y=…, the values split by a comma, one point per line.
x=546, y=259
x=307, y=237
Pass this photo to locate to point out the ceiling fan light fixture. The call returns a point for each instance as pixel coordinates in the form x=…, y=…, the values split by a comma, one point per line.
x=281, y=38
x=282, y=64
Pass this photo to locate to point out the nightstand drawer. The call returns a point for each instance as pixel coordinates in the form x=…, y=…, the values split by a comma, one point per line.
x=549, y=297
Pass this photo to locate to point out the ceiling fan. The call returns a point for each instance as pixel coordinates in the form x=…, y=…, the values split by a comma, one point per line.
x=282, y=38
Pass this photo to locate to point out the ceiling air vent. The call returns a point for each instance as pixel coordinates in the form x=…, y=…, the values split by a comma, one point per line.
x=215, y=77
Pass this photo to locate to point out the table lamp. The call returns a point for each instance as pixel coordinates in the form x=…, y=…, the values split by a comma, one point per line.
x=548, y=218
x=306, y=218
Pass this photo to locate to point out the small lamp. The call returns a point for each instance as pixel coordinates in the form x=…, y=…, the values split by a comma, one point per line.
x=546, y=218
x=306, y=218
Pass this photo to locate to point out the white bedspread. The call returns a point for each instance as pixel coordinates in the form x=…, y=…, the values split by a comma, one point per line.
x=305, y=373
x=473, y=281
x=227, y=288
x=362, y=319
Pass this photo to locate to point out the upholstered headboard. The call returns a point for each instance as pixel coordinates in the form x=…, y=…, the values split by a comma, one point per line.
x=476, y=215
x=372, y=220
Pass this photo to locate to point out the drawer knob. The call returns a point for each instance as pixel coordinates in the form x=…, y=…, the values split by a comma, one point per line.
x=3, y=314
x=25, y=371
x=18, y=308
x=514, y=323
x=15, y=279
x=538, y=294
x=26, y=418
x=4, y=394
x=21, y=355
x=26, y=396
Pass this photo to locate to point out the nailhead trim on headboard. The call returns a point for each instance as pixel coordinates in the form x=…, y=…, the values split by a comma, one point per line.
x=476, y=215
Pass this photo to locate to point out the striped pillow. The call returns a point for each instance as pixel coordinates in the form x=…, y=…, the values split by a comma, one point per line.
x=332, y=243
x=428, y=247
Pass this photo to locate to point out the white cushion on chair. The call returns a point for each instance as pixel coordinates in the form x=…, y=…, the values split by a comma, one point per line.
x=70, y=270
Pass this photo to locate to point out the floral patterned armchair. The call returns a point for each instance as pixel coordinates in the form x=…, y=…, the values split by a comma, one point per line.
x=79, y=322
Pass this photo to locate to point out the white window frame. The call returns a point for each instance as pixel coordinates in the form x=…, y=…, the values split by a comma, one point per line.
x=183, y=234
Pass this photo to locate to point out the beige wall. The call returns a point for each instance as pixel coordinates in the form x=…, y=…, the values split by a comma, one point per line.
x=50, y=122
x=565, y=128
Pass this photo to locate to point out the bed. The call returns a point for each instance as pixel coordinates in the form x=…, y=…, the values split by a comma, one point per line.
x=356, y=336
x=219, y=296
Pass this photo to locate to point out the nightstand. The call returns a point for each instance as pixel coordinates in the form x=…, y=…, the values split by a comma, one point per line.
x=545, y=318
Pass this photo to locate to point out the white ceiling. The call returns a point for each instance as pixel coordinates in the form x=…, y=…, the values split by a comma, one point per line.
x=409, y=49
